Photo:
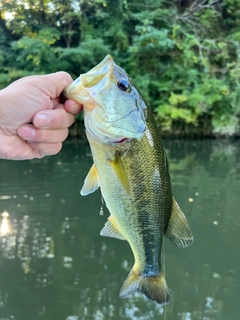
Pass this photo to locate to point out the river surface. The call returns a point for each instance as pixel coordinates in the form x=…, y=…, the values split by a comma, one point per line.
x=54, y=265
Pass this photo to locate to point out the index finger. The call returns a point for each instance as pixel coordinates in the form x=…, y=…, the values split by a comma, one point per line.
x=58, y=118
x=73, y=107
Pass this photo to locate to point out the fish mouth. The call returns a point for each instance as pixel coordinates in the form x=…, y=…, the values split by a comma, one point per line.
x=80, y=91
x=96, y=74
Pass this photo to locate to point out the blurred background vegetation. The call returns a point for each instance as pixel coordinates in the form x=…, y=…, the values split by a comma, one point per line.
x=184, y=55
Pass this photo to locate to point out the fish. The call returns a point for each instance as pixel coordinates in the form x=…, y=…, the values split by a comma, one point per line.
x=131, y=169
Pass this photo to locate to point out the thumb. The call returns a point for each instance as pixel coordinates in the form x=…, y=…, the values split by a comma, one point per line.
x=55, y=83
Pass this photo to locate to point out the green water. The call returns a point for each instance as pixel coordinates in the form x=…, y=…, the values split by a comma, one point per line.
x=54, y=265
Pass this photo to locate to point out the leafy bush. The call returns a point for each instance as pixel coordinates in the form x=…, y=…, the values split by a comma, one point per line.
x=184, y=56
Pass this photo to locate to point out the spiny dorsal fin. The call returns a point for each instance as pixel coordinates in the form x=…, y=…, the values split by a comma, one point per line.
x=91, y=182
x=110, y=230
x=154, y=287
x=120, y=171
x=178, y=230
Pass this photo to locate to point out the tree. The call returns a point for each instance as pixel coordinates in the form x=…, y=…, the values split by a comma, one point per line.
x=183, y=55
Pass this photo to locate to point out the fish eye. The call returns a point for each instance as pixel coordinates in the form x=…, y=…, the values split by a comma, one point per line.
x=123, y=85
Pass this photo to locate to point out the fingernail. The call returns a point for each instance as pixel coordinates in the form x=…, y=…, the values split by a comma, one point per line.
x=41, y=120
x=75, y=108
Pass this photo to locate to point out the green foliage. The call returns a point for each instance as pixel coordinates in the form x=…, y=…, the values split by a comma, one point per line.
x=184, y=56
x=82, y=58
x=36, y=51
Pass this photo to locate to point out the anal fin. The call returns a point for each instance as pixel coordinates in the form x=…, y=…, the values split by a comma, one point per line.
x=178, y=229
x=91, y=182
x=110, y=230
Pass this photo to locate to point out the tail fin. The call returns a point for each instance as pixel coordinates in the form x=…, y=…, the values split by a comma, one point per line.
x=154, y=287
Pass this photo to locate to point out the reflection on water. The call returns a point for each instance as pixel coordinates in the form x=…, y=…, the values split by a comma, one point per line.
x=5, y=228
x=54, y=265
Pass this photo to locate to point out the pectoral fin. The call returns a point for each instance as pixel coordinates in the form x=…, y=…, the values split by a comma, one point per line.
x=110, y=230
x=91, y=182
x=178, y=230
x=120, y=171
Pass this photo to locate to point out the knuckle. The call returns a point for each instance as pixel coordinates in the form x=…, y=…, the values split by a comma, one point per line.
x=65, y=77
x=57, y=119
x=65, y=134
x=72, y=119
x=46, y=103
x=53, y=121
x=42, y=135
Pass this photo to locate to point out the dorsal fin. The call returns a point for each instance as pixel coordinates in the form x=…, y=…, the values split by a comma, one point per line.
x=120, y=171
x=178, y=229
x=110, y=229
x=91, y=182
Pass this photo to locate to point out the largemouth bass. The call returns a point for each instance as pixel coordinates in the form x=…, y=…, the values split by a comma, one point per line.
x=130, y=167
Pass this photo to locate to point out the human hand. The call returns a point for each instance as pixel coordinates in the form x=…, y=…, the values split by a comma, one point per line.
x=33, y=121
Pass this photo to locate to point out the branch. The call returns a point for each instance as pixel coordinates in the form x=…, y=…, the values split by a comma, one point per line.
x=198, y=5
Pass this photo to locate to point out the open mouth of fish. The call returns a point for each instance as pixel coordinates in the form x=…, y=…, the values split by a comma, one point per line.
x=95, y=75
x=86, y=85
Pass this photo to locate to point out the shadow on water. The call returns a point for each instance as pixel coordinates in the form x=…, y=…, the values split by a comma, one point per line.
x=54, y=265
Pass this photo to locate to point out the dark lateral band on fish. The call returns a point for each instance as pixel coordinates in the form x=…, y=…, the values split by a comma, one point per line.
x=130, y=167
